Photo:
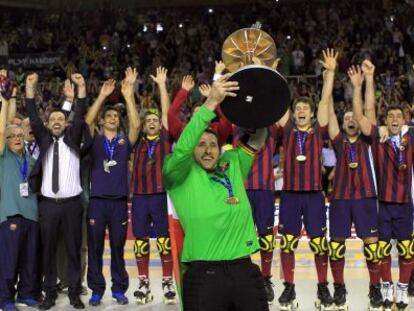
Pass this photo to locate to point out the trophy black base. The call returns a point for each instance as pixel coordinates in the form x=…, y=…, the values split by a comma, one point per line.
x=262, y=100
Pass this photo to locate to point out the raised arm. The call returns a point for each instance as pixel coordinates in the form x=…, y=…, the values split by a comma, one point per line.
x=39, y=129
x=369, y=69
x=329, y=63
x=178, y=164
x=3, y=123
x=357, y=78
x=128, y=93
x=78, y=122
x=175, y=124
x=11, y=113
x=218, y=70
x=161, y=80
x=284, y=120
x=106, y=90
x=333, y=127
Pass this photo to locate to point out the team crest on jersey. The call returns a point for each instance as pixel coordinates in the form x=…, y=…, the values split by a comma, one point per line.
x=223, y=167
x=121, y=141
x=403, y=144
x=13, y=227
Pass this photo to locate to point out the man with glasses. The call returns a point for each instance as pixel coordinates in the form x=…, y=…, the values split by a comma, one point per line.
x=19, y=229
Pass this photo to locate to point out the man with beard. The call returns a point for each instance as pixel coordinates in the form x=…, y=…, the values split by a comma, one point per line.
x=56, y=176
x=354, y=197
x=149, y=199
x=208, y=192
x=393, y=162
x=302, y=188
x=108, y=206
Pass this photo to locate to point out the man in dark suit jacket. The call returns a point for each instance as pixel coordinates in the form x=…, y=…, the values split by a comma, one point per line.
x=56, y=178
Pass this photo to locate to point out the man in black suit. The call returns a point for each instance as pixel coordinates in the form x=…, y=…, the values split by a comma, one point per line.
x=56, y=178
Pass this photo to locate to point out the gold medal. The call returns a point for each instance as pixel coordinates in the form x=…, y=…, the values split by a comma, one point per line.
x=403, y=167
x=233, y=200
x=353, y=165
x=402, y=147
x=301, y=158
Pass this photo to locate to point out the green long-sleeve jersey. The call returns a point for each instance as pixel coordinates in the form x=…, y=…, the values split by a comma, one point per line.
x=214, y=230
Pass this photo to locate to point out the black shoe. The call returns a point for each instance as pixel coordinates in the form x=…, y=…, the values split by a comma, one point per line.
x=375, y=296
x=339, y=294
x=288, y=294
x=76, y=302
x=270, y=294
x=324, y=295
x=411, y=284
x=62, y=288
x=47, y=303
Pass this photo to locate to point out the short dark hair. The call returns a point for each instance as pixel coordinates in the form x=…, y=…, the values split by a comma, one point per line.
x=110, y=108
x=394, y=107
x=57, y=110
x=209, y=130
x=303, y=99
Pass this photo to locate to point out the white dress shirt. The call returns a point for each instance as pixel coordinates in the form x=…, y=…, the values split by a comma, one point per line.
x=69, y=179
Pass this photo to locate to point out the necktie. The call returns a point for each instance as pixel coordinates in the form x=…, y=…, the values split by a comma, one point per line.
x=55, y=169
x=30, y=148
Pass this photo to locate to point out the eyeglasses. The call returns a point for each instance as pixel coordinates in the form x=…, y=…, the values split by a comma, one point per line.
x=19, y=136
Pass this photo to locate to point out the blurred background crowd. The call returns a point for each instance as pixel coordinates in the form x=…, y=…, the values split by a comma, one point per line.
x=101, y=43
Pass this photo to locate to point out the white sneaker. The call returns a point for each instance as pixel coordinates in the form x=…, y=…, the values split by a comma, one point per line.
x=401, y=295
x=388, y=292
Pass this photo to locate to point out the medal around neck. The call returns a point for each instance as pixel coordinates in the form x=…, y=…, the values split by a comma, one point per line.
x=403, y=167
x=107, y=164
x=301, y=158
x=353, y=165
x=233, y=200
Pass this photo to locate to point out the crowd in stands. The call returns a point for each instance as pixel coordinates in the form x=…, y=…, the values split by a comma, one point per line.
x=101, y=43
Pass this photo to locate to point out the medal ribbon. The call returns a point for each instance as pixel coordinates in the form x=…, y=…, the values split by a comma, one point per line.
x=301, y=138
x=226, y=184
x=23, y=167
x=110, y=146
x=396, y=146
x=352, y=156
x=151, y=144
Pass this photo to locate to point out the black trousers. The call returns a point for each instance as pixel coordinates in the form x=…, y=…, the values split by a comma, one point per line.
x=224, y=286
x=65, y=217
x=18, y=259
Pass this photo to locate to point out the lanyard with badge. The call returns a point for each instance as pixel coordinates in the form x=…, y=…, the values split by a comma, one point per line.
x=23, y=172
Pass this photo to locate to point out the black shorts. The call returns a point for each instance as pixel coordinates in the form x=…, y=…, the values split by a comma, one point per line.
x=224, y=286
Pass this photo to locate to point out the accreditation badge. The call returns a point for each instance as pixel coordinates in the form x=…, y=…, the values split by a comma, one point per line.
x=24, y=189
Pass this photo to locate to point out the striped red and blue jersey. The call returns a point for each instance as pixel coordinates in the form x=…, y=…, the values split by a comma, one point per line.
x=261, y=175
x=353, y=183
x=303, y=175
x=393, y=183
x=146, y=174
